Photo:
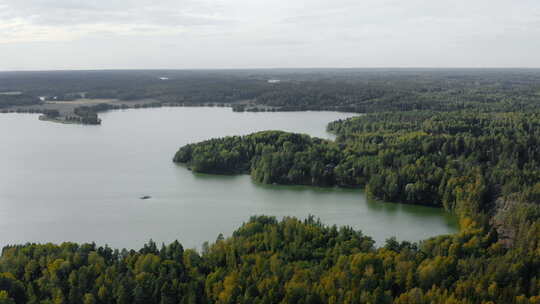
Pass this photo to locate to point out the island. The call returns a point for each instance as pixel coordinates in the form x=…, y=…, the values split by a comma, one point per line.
x=467, y=141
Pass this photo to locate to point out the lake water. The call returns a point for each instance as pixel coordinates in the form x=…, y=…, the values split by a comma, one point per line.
x=84, y=183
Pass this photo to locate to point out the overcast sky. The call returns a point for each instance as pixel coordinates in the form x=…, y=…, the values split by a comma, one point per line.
x=135, y=34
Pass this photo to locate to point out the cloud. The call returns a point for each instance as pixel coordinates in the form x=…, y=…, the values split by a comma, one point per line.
x=77, y=12
x=242, y=33
x=67, y=19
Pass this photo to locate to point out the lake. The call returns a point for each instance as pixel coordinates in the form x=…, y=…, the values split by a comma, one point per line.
x=83, y=183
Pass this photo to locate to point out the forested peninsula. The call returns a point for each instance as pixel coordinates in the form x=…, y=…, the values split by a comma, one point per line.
x=482, y=165
x=463, y=140
x=462, y=161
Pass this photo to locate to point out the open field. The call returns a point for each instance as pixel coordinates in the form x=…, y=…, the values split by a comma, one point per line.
x=67, y=108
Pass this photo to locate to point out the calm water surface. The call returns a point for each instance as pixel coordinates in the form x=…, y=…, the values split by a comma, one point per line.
x=83, y=183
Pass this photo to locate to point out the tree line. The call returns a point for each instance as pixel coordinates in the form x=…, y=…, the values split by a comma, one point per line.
x=287, y=261
x=351, y=90
x=467, y=141
x=12, y=100
x=462, y=161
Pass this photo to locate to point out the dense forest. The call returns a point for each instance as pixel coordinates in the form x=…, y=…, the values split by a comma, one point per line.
x=464, y=140
x=290, y=261
x=482, y=165
x=11, y=100
x=352, y=90
x=462, y=161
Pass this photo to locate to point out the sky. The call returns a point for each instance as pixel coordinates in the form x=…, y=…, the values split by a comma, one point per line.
x=222, y=34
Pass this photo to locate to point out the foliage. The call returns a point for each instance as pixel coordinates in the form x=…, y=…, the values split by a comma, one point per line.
x=352, y=90
x=465, y=140
x=462, y=161
x=7, y=100
x=287, y=261
x=270, y=157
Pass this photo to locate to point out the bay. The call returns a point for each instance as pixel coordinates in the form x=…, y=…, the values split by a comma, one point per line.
x=84, y=183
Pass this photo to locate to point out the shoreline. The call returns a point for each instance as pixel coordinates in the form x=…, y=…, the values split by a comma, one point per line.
x=66, y=109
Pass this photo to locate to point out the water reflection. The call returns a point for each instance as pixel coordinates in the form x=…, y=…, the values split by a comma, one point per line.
x=73, y=183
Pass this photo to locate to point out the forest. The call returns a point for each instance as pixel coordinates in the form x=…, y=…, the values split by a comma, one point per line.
x=287, y=261
x=350, y=90
x=11, y=100
x=481, y=165
x=462, y=161
x=464, y=140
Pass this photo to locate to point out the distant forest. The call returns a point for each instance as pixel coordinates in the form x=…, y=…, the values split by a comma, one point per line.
x=464, y=140
x=476, y=154
x=352, y=90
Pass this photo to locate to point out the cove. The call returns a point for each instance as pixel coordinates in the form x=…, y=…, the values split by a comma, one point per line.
x=84, y=183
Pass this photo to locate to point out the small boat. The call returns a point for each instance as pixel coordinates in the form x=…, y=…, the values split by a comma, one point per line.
x=145, y=197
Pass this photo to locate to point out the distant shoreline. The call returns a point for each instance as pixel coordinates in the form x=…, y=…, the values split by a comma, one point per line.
x=44, y=117
x=66, y=109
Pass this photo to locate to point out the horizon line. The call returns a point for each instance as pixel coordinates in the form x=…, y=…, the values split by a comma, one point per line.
x=267, y=68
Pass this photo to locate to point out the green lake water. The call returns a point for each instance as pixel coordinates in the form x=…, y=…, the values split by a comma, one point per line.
x=83, y=183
